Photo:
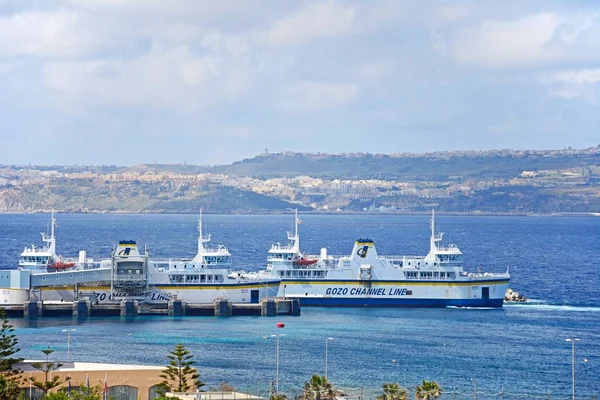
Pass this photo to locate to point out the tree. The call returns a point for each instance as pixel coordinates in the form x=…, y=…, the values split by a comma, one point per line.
x=9, y=376
x=8, y=347
x=317, y=388
x=179, y=375
x=428, y=390
x=9, y=388
x=82, y=394
x=46, y=367
x=393, y=391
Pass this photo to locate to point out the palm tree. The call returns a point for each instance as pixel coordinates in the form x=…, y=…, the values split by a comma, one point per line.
x=317, y=388
x=392, y=391
x=428, y=390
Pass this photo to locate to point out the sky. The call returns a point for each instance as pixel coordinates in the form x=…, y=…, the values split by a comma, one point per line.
x=211, y=82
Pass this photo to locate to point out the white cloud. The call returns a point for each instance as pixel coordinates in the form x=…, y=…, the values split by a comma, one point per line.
x=574, y=84
x=46, y=34
x=577, y=77
x=309, y=95
x=173, y=79
x=6, y=67
x=375, y=71
x=319, y=20
x=509, y=44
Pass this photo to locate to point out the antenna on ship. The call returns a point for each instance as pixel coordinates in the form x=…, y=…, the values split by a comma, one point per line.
x=296, y=222
x=295, y=238
x=51, y=241
x=434, y=238
x=201, y=238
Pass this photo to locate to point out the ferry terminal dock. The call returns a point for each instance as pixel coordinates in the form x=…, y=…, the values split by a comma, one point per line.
x=130, y=308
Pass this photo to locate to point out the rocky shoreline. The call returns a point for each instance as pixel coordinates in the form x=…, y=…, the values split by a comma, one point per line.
x=513, y=296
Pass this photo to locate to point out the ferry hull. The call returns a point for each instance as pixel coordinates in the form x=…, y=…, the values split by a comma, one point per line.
x=398, y=303
x=195, y=294
x=426, y=294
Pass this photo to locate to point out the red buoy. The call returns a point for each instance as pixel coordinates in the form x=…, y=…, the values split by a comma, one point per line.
x=280, y=325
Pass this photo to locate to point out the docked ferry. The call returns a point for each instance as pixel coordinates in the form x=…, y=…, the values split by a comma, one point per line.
x=366, y=279
x=130, y=274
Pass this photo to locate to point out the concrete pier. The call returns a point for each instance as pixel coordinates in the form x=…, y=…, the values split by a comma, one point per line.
x=81, y=308
x=268, y=308
x=129, y=308
x=84, y=308
x=176, y=307
x=32, y=309
x=223, y=307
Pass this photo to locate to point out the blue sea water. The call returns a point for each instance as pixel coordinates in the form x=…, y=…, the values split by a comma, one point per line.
x=521, y=348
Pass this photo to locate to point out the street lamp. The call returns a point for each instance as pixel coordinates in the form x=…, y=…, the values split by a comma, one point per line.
x=277, y=353
x=69, y=342
x=327, y=353
x=572, y=340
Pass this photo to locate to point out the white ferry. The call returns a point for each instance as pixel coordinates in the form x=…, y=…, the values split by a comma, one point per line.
x=130, y=274
x=365, y=279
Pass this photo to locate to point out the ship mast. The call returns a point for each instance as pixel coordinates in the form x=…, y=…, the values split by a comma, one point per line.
x=434, y=238
x=295, y=238
x=51, y=241
x=201, y=239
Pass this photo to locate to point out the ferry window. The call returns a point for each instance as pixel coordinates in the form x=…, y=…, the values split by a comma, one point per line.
x=209, y=278
x=185, y=266
x=202, y=278
x=288, y=273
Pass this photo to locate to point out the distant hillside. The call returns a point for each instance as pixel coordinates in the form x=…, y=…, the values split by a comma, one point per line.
x=435, y=166
x=439, y=166
x=137, y=198
x=549, y=181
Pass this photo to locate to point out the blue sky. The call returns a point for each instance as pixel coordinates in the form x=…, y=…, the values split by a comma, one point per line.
x=210, y=82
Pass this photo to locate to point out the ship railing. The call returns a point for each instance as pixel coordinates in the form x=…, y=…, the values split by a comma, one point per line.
x=130, y=278
x=279, y=246
x=453, y=249
x=489, y=275
x=168, y=260
x=217, y=250
x=91, y=265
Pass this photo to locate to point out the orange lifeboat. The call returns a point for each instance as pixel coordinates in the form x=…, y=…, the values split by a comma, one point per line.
x=305, y=261
x=62, y=265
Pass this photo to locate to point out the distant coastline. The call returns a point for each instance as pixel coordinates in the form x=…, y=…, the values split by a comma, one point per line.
x=499, y=182
x=317, y=212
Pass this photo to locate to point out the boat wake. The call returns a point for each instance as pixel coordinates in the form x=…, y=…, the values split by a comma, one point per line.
x=551, y=307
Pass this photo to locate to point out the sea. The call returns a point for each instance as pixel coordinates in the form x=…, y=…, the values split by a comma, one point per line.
x=518, y=351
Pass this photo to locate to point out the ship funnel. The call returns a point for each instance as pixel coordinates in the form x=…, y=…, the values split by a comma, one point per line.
x=127, y=248
x=364, y=250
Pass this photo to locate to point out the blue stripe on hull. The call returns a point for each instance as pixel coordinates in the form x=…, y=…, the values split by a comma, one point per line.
x=400, y=303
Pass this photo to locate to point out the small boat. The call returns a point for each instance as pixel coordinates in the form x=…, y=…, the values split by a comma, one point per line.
x=62, y=265
x=305, y=261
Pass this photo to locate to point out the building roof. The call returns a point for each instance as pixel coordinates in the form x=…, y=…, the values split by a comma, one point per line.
x=25, y=366
x=213, y=396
